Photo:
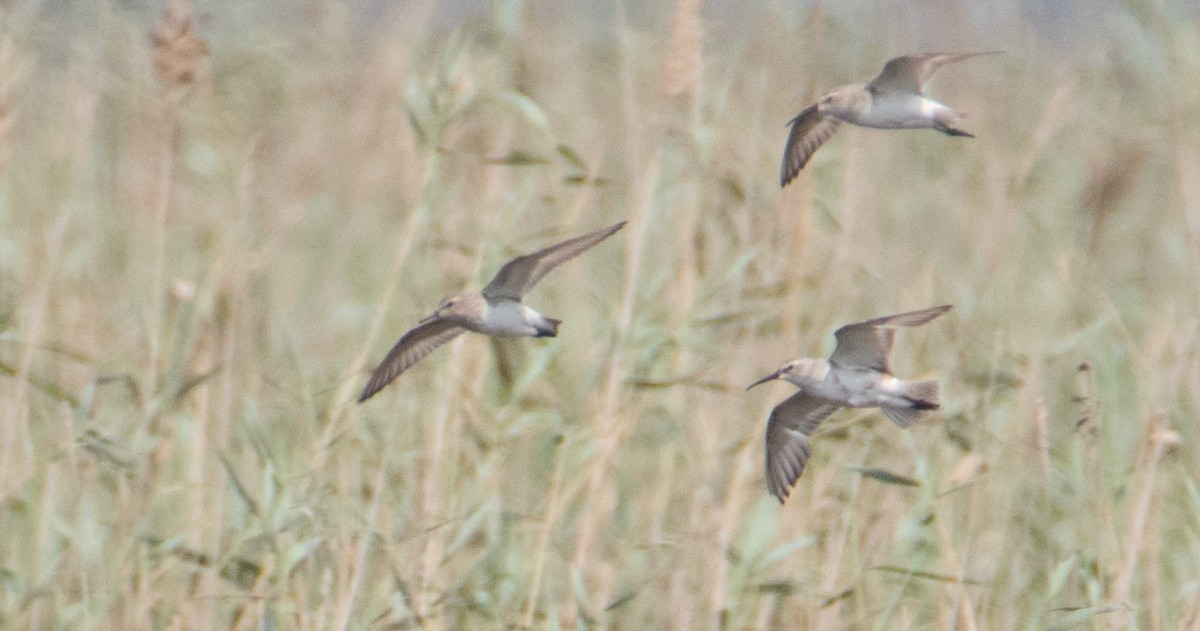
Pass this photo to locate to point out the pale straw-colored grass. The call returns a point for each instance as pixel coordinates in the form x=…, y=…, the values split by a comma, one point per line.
x=214, y=221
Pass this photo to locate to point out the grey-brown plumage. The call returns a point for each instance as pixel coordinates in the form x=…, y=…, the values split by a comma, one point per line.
x=893, y=100
x=496, y=310
x=788, y=447
x=519, y=275
x=412, y=347
x=810, y=130
x=867, y=344
x=855, y=375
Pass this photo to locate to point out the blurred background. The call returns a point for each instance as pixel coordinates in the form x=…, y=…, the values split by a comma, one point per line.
x=216, y=218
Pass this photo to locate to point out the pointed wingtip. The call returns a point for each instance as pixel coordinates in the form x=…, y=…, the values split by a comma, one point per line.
x=960, y=56
x=957, y=57
x=605, y=233
x=933, y=312
x=367, y=393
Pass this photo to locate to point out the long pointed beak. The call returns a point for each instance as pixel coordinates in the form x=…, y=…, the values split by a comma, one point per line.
x=427, y=319
x=771, y=377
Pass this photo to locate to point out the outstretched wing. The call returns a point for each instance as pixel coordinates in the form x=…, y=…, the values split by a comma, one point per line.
x=810, y=130
x=788, y=449
x=910, y=73
x=412, y=348
x=519, y=275
x=866, y=344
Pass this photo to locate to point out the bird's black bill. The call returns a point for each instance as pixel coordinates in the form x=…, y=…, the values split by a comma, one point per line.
x=771, y=377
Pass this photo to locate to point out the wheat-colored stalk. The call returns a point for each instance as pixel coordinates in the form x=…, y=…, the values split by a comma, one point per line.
x=1159, y=439
x=14, y=69
x=682, y=65
x=651, y=512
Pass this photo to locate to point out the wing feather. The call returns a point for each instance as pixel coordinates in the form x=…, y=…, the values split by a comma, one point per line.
x=810, y=130
x=867, y=344
x=519, y=275
x=910, y=73
x=788, y=448
x=412, y=348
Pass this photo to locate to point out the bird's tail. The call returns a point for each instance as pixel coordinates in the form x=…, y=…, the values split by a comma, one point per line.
x=954, y=131
x=921, y=398
x=550, y=329
x=948, y=123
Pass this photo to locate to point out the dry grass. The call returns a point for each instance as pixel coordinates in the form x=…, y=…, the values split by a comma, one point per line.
x=208, y=234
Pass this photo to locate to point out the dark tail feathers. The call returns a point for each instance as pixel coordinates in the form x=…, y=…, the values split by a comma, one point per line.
x=922, y=397
x=551, y=330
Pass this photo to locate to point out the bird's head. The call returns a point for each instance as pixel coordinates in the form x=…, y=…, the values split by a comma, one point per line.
x=458, y=306
x=842, y=100
x=798, y=372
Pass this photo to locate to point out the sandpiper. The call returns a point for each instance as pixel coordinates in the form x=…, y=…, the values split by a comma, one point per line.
x=855, y=375
x=497, y=310
x=893, y=100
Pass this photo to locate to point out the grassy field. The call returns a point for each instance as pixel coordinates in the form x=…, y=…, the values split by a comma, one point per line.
x=208, y=237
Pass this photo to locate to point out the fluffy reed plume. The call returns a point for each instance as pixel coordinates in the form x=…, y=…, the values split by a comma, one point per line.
x=179, y=55
x=681, y=67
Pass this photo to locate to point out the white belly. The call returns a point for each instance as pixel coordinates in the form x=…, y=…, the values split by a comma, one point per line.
x=511, y=319
x=859, y=388
x=900, y=110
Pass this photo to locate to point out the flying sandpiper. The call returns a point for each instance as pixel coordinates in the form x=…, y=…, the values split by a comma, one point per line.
x=893, y=100
x=855, y=375
x=497, y=310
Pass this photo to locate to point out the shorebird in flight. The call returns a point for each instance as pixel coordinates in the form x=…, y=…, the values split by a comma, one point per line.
x=893, y=100
x=497, y=310
x=855, y=375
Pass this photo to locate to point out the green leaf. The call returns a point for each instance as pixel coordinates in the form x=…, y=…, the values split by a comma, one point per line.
x=527, y=108
x=299, y=551
x=571, y=156
x=241, y=572
x=929, y=576
x=779, y=588
x=578, y=179
x=621, y=600
x=518, y=158
x=887, y=477
x=1077, y=617
x=1061, y=573
x=469, y=527
x=788, y=548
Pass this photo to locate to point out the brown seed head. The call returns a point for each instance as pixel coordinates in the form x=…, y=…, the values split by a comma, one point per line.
x=178, y=53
